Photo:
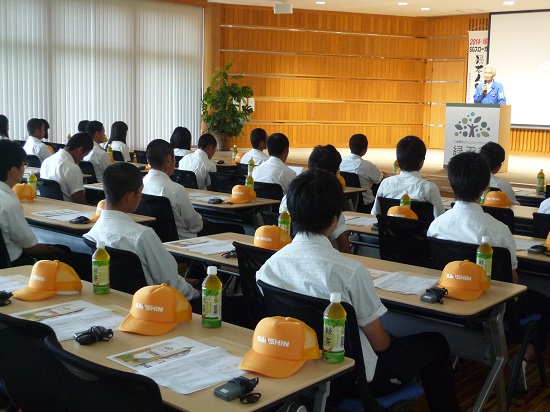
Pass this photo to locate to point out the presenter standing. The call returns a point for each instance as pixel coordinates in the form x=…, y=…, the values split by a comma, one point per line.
x=490, y=92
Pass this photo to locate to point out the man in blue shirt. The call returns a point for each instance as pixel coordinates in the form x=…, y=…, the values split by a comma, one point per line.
x=490, y=92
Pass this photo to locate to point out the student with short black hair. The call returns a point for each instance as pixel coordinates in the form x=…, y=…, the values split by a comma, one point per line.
x=4, y=127
x=199, y=161
x=34, y=145
x=274, y=170
x=160, y=155
x=117, y=139
x=98, y=157
x=181, y=141
x=82, y=125
x=411, y=152
x=123, y=184
x=258, y=138
x=495, y=154
x=311, y=266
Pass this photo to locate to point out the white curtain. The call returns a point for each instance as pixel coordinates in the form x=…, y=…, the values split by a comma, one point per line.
x=132, y=60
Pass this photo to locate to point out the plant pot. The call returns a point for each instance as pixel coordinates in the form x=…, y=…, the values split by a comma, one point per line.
x=224, y=141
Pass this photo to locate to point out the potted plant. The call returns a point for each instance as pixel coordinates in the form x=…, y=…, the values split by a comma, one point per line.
x=225, y=108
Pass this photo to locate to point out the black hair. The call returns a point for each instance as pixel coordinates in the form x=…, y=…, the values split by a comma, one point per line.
x=493, y=153
x=469, y=176
x=314, y=199
x=181, y=138
x=357, y=143
x=206, y=140
x=83, y=140
x=34, y=124
x=4, y=122
x=411, y=152
x=276, y=144
x=120, y=178
x=82, y=126
x=119, y=131
x=11, y=155
x=325, y=157
x=92, y=127
x=46, y=128
x=156, y=152
x=257, y=136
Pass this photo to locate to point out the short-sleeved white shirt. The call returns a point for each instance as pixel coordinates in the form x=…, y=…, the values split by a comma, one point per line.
x=274, y=170
x=182, y=152
x=62, y=168
x=368, y=174
x=37, y=147
x=188, y=221
x=257, y=155
x=505, y=187
x=311, y=266
x=545, y=206
x=100, y=159
x=199, y=163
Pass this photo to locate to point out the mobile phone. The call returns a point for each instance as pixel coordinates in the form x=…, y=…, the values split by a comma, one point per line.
x=537, y=249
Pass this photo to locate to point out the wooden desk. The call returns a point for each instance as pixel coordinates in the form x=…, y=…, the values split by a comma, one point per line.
x=234, y=339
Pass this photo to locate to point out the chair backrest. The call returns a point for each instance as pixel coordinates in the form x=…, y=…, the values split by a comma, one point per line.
x=33, y=161
x=117, y=156
x=424, y=210
x=504, y=215
x=55, y=146
x=160, y=208
x=308, y=309
x=125, y=270
x=88, y=169
x=242, y=169
x=404, y=240
x=541, y=225
x=224, y=181
x=141, y=156
x=28, y=371
x=251, y=259
x=178, y=158
x=49, y=188
x=352, y=180
x=5, y=261
x=89, y=386
x=186, y=178
x=268, y=190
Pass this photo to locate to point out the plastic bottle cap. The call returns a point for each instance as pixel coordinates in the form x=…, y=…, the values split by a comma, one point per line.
x=485, y=239
x=100, y=244
x=335, y=297
x=212, y=270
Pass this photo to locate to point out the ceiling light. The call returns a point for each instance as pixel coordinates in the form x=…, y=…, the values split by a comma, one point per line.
x=424, y=8
x=402, y=3
x=508, y=3
x=320, y=2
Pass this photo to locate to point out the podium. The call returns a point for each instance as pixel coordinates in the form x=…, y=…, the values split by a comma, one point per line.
x=469, y=126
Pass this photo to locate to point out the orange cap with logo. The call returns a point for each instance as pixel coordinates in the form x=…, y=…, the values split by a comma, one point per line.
x=271, y=237
x=497, y=199
x=156, y=310
x=99, y=208
x=49, y=277
x=402, y=211
x=280, y=347
x=464, y=280
x=341, y=180
x=24, y=192
x=242, y=194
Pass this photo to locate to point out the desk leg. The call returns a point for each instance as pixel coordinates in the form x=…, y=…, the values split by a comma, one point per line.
x=494, y=333
x=321, y=396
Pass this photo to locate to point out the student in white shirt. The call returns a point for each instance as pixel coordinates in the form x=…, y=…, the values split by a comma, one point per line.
x=117, y=140
x=181, y=141
x=98, y=157
x=4, y=127
x=199, y=161
x=274, y=170
x=494, y=154
x=258, y=138
x=34, y=145
x=160, y=155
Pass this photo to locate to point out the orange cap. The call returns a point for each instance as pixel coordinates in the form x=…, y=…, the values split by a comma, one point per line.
x=24, y=192
x=242, y=194
x=271, y=237
x=99, y=208
x=341, y=180
x=47, y=278
x=402, y=211
x=497, y=199
x=238, y=157
x=547, y=243
x=280, y=347
x=156, y=310
x=464, y=280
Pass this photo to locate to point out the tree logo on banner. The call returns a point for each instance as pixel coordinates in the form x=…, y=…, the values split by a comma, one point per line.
x=472, y=126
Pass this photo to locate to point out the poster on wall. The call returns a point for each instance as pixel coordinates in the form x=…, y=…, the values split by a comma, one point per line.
x=478, y=44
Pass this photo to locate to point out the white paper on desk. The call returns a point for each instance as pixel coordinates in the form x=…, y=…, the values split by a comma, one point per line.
x=190, y=374
x=525, y=192
x=204, y=245
x=375, y=273
x=405, y=284
x=206, y=198
x=363, y=221
x=9, y=285
x=524, y=244
x=447, y=202
x=63, y=215
x=297, y=169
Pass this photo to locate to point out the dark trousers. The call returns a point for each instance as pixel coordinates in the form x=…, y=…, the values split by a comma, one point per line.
x=535, y=302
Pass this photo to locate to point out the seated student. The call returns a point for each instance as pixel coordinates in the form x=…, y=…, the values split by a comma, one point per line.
x=354, y=163
x=160, y=155
x=117, y=140
x=466, y=222
x=181, y=141
x=311, y=266
x=98, y=157
x=274, y=170
x=4, y=127
x=258, y=139
x=544, y=206
x=199, y=161
x=328, y=158
x=123, y=184
x=82, y=126
x=494, y=154
x=63, y=167
x=34, y=145
x=411, y=152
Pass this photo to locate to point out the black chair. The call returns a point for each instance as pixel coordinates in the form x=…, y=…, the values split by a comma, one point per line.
x=88, y=169
x=404, y=240
x=178, y=158
x=502, y=214
x=541, y=225
x=251, y=259
x=242, y=169
x=33, y=161
x=5, y=261
x=268, y=218
x=28, y=372
x=21, y=142
x=49, y=188
x=55, y=146
x=281, y=302
x=185, y=178
x=224, y=181
x=126, y=272
x=160, y=208
x=494, y=189
x=117, y=156
x=141, y=156
x=352, y=180
x=268, y=190
x=89, y=386
x=424, y=210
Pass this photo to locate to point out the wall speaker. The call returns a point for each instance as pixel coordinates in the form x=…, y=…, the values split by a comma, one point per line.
x=283, y=8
